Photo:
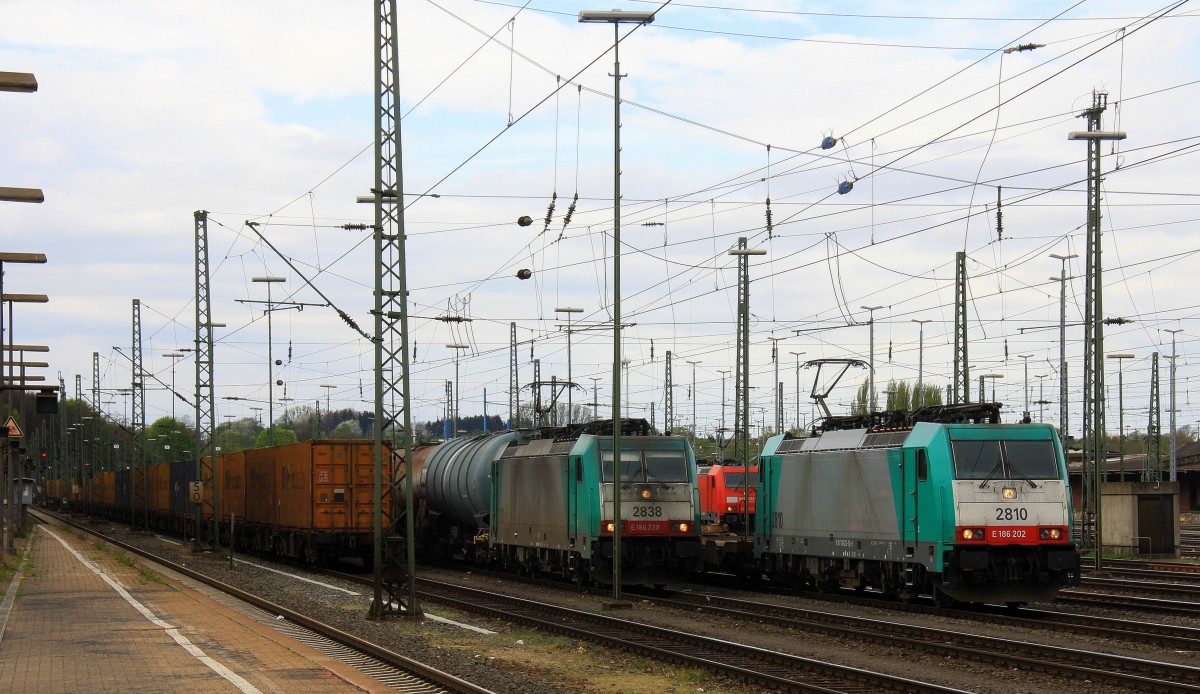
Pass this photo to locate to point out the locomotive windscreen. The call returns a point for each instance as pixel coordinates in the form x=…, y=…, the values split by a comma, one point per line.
x=660, y=466
x=666, y=466
x=983, y=460
x=737, y=480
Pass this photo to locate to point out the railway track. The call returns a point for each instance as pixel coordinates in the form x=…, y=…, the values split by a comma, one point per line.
x=1179, y=591
x=1154, y=571
x=778, y=671
x=772, y=670
x=1088, y=666
x=403, y=673
x=1137, y=602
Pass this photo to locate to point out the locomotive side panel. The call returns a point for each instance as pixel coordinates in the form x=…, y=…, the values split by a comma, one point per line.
x=531, y=502
x=834, y=504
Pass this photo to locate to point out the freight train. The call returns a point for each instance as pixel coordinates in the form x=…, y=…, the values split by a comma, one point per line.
x=940, y=502
x=535, y=501
x=970, y=512
x=311, y=501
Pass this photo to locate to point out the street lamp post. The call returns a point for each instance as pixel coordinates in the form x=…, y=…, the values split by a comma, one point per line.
x=777, y=385
x=616, y=18
x=174, y=357
x=9, y=378
x=1121, y=407
x=693, y=363
x=270, y=359
x=458, y=348
x=1025, y=385
x=1174, y=443
x=871, y=403
x=570, y=384
x=919, y=398
x=1041, y=396
x=993, y=377
x=797, y=355
x=1062, y=342
x=328, y=387
x=721, y=431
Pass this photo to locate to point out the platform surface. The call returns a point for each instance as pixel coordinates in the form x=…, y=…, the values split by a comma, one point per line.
x=82, y=618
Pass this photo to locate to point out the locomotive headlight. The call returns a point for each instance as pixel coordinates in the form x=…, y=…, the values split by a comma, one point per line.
x=972, y=533
x=1051, y=533
x=1009, y=493
x=645, y=493
x=683, y=527
x=610, y=526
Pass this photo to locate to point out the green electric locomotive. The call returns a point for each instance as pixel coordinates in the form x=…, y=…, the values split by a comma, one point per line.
x=966, y=512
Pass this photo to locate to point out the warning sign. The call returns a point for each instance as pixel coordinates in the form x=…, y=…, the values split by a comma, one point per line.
x=14, y=430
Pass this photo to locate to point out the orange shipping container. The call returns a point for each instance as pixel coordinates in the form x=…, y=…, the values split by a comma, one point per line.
x=261, y=487
x=102, y=489
x=158, y=478
x=326, y=485
x=232, y=471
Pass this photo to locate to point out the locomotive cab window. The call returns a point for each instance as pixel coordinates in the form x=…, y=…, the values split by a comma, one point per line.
x=631, y=466
x=922, y=465
x=666, y=466
x=990, y=460
x=737, y=480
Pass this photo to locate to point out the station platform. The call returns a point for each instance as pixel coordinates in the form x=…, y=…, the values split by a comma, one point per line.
x=76, y=618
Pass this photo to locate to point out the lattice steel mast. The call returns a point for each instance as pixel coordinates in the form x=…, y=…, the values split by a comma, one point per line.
x=962, y=376
x=206, y=467
x=392, y=413
x=139, y=484
x=1152, y=467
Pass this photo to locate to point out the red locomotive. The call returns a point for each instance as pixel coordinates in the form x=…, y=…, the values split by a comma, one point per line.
x=724, y=491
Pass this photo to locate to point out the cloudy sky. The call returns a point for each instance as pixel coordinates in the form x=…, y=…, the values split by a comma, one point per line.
x=263, y=111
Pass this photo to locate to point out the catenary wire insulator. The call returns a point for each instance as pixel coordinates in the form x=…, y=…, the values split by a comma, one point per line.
x=550, y=211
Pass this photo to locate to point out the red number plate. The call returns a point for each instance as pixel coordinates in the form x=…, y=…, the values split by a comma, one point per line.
x=1012, y=534
x=640, y=527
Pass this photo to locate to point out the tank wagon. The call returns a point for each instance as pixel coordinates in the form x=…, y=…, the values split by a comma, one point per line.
x=966, y=512
x=542, y=501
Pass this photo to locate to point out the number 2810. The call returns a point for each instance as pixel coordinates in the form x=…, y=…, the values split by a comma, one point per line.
x=1008, y=513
